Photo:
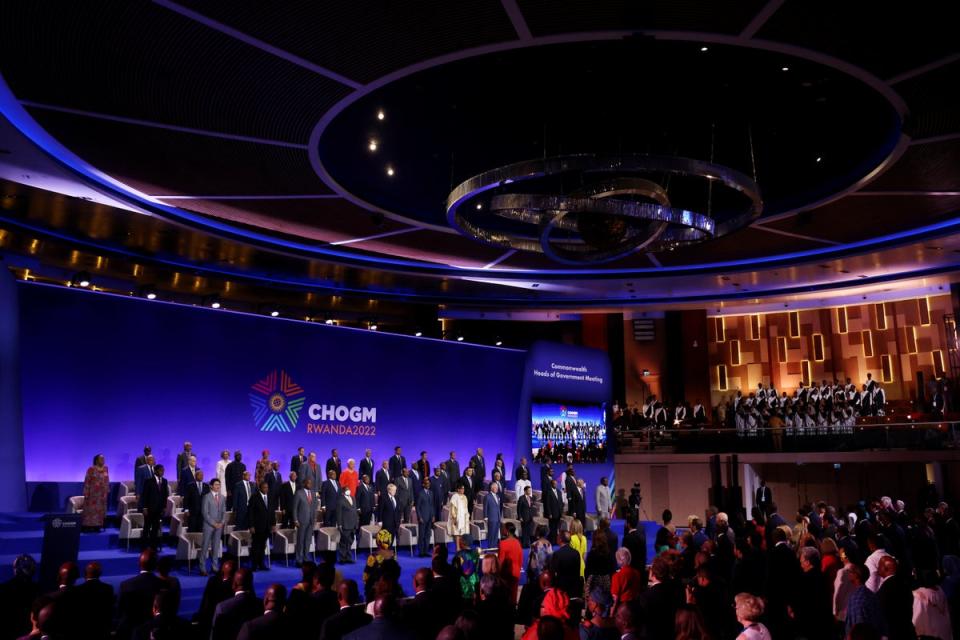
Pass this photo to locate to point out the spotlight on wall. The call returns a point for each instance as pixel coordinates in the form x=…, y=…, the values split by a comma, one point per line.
x=374, y=326
x=459, y=338
x=418, y=333
x=81, y=279
x=148, y=292
x=498, y=343
x=329, y=321
x=274, y=313
x=212, y=301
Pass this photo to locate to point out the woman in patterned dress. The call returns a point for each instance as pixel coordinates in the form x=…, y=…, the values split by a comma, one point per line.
x=96, y=486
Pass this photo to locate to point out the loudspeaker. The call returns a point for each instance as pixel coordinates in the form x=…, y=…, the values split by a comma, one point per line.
x=921, y=391
x=716, y=485
x=733, y=471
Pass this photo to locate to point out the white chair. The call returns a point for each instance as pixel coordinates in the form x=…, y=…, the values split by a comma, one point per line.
x=537, y=495
x=478, y=512
x=174, y=506
x=445, y=513
x=368, y=537
x=478, y=529
x=565, y=522
x=590, y=524
x=173, y=486
x=407, y=536
x=188, y=547
x=510, y=495
x=510, y=511
x=538, y=509
x=539, y=521
x=178, y=524
x=131, y=527
x=285, y=540
x=131, y=486
x=328, y=539
x=229, y=523
x=239, y=544
x=122, y=489
x=75, y=504
x=440, y=535
x=127, y=504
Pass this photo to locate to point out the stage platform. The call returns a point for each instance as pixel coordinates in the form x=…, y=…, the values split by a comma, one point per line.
x=23, y=533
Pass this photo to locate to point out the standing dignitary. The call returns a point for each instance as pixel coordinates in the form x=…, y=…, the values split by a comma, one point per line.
x=304, y=519
x=214, y=510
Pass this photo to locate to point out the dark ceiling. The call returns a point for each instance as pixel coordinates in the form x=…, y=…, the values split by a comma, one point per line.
x=244, y=130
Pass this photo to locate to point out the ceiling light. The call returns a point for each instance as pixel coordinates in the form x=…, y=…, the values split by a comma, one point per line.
x=819, y=158
x=274, y=313
x=498, y=343
x=148, y=292
x=212, y=301
x=418, y=333
x=329, y=321
x=704, y=49
x=373, y=326
x=381, y=115
x=390, y=171
x=479, y=206
x=81, y=279
x=373, y=145
x=784, y=68
x=459, y=338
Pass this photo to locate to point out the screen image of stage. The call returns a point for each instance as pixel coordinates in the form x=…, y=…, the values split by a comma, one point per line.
x=568, y=431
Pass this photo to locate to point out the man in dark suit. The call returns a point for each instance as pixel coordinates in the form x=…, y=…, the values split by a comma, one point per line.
x=573, y=493
x=422, y=466
x=425, y=518
x=468, y=486
x=522, y=472
x=261, y=520
x=635, y=540
x=492, y=510
x=423, y=613
x=273, y=622
x=141, y=460
x=404, y=495
x=477, y=484
x=397, y=463
x=783, y=576
x=275, y=482
x=480, y=464
x=186, y=475
x=329, y=494
x=552, y=508
x=385, y=624
x=183, y=458
x=525, y=513
x=231, y=614
x=348, y=522
x=333, y=464
x=896, y=600
x=136, y=595
x=350, y=617
x=193, y=501
x=153, y=502
x=390, y=511
x=658, y=604
x=287, y=493
x=565, y=565
x=242, y=492
x=380, y=483
x=774, y=521
x=439, y=490
x=452, y=471
x=365, y=500
x=367, y=466
x=233, y=475
x=763, y=497
x=94, y=599
x=297, y=461
x=165, y=622
x=546, y=474
x=143, y=473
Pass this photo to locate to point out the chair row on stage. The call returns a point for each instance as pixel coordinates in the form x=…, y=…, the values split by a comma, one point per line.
x=325, y=538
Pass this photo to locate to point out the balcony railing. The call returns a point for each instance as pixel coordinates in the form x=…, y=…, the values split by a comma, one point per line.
x=874, y=435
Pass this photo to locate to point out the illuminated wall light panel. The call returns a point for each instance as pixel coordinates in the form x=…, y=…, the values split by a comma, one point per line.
x=805, y=371
x=755, y=327
x=910, y=333
x=886, y=368
x=722, y=377
x=720, y=329
x=867, y=343
x=734, y=352
x=782, y=348
x=841, y=319
x=794, y=324
x=923, y=306
x=818, y=347
x=881, y=312
x=939, y=371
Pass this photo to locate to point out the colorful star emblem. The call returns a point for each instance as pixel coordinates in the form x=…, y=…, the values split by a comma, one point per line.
x=275, y=402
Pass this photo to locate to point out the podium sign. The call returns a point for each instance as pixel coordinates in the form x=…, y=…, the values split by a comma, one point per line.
x=61, y=543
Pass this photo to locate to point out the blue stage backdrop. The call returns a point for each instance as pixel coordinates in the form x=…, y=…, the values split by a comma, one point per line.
x=106, y=374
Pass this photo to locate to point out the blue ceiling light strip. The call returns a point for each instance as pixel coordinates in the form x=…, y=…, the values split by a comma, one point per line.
x=11, y=108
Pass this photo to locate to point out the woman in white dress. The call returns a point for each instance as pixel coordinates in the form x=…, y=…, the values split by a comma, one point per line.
x=458, y=523
x=222, y=471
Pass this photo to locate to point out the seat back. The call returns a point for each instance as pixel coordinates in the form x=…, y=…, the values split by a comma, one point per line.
x=75, y=504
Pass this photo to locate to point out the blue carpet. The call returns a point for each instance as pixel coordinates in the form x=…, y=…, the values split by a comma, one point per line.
x=23, y=533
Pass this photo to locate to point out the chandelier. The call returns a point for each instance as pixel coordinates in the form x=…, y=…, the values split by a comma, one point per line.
x=618, y=205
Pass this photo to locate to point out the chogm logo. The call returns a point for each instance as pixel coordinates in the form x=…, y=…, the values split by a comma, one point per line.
x=563, y=411
x=276, y=401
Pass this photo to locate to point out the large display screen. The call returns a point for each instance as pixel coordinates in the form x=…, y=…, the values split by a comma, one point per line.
x=568, y=432
x=109, y=374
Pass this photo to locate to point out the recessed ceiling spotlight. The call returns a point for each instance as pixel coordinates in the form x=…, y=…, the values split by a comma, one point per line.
x=81, y=279
x=784, y=68
x=459, y=338
x=373, y=145
x=381, y=115
x=213, y=302
x=274, y=313
x=479, y=206
x=418, y=333
x=498, y=343
x=148, y=292
x=704, y=49
x=390, y=171
x=819, y=158
x=373, y=326
x=329, y=321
